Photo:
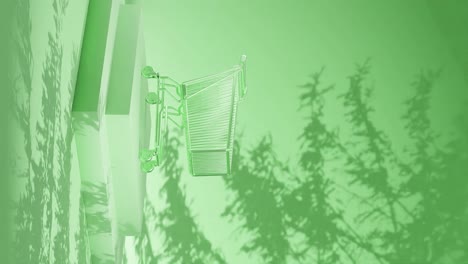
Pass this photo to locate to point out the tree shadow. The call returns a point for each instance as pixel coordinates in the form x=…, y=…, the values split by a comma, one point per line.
x=81, y=237
x=23, y=83
x=409, y=207
x=369, y=166
x=64, y=145
x=310, y=207
x=23, y=87
x=398, y=231
x=95, y=199
x=84, y=120
x=256, y=206
x=44, y=206
x=102, y=259
x=143, y=246
x=182, y=240
x=434, y=177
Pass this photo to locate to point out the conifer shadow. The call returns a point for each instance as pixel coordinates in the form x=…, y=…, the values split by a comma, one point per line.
x=311, y=208
x=95, y=199
x=174, y=225
x=434, y=177
x=23, y=87
x=44, y=205
x=257, y=206
x=406, y=207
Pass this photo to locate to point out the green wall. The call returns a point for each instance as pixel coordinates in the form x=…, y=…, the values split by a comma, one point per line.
x=263, y=212
x=285, y=42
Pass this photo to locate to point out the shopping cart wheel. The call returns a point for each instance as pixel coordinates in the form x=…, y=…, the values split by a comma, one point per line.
x=149, y=166
x=146, y=155
x=152, y=98
x=149, y=73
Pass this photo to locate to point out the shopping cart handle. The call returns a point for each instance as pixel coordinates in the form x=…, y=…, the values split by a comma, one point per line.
x=243, y=58
x=243, y=61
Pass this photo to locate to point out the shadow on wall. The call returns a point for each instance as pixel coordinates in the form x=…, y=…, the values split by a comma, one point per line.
x=42, y=213
x=397, y=210
x=182, y=240
x=350, y=199
x=94, y=196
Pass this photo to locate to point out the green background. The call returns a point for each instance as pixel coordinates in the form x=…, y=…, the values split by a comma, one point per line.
x=285, y=42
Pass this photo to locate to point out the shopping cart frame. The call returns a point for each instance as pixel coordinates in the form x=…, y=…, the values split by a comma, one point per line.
x=168, y=114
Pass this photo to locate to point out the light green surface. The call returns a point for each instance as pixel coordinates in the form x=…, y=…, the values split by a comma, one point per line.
x=47, y=54
x=125, y=131
x=123, y=61
x=285, y=43
x=113, y=183
x=91, y=142
x=263, y=211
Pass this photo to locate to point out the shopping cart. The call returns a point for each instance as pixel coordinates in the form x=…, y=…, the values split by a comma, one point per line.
x=208, y=109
